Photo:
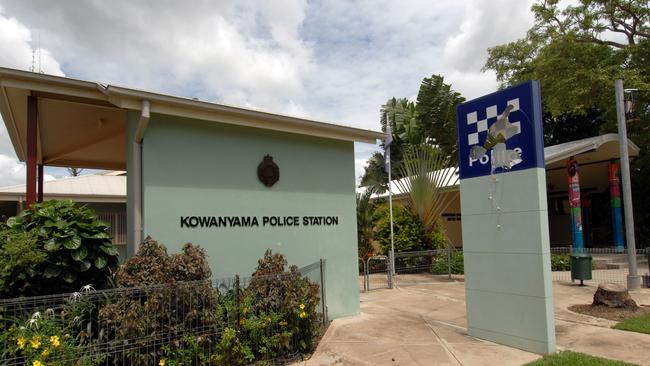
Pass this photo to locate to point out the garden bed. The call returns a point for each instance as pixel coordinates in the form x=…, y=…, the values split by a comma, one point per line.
x=616, y=314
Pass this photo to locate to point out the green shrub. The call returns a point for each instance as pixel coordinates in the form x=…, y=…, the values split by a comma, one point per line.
x=152, y=265
x=408, y=232
x=269, y=316
x=441, y=266
x=164, y=310
x=77, y=248
x=20, y=260
x=561, y=262
x=283, y=305
x=48, y=340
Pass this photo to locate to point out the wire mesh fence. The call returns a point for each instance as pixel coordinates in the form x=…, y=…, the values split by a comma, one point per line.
x=272, y=318
x=378, y=273
x=428, y=266
x=414, y=267
x=608, y=264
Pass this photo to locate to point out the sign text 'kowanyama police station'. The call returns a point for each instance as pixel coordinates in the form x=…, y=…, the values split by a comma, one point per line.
x=254, y=221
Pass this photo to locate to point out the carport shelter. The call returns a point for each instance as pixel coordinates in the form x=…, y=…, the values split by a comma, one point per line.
x=232, y=180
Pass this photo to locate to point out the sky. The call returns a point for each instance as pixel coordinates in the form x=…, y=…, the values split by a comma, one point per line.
x=333, y=61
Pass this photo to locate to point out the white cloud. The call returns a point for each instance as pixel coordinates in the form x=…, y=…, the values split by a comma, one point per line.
x=13, y=172
x=18, y=50
x=17, y=43
x=328, y=60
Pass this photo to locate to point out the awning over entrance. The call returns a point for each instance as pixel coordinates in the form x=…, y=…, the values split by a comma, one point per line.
x=593, y=154
x=592, y=149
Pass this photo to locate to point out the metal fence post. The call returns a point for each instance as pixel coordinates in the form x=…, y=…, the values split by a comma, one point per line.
x=391, y=270
x=237, y=318
x=322, y=290
x=449, y=261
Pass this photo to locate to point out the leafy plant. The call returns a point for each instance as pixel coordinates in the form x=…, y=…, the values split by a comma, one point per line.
x=285, y=302
x=153, y=265
x=187, y=301
x=20, y=259
x=441, y=266
x=408, y=232
x=77, y=246
x=48, y=338
x=427, y=172
x=231, y=351
x=560, y=262
x=365, y=209
x=190, y=350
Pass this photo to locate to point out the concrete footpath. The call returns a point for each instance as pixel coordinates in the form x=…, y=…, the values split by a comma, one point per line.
x=425, y=324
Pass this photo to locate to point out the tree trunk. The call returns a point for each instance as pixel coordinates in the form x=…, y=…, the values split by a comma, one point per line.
x=613, y=296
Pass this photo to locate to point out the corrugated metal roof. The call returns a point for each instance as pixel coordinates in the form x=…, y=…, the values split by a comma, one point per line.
x=552, y=154
x=111, y=186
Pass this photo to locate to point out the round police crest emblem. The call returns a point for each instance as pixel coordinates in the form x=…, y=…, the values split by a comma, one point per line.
x=268, y=172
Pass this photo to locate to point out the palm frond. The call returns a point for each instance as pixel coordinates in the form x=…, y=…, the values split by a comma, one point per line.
x=427, y=172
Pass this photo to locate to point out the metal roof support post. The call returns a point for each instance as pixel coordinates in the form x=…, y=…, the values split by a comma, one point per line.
x=32, y=131
x=633, y=278
x=39, y=195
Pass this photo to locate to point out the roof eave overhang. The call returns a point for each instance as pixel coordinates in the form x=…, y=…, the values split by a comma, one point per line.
x=126, y=98
x=10, y=78
x=610, y=137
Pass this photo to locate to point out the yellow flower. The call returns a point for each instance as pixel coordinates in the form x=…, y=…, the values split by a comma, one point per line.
x=45, y=352
x=283, y=323
x=302, y=306
x=36, y=342
x=161, y=362
x=37, y=363
x=54, y=340
x=242, y=321
x=302, y=315
x=21, y=342
x=67, y=335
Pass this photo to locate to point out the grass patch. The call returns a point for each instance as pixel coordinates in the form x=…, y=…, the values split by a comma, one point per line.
x=640, y=324
x=568, y=358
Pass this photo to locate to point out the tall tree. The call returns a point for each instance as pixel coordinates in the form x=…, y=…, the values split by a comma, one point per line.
x=365, y=209
x=432, y=120
x=75, y=172
x=577, y=51
x=436, y=111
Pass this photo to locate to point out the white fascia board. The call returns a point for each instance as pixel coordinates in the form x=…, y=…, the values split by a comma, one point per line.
x=190, y=108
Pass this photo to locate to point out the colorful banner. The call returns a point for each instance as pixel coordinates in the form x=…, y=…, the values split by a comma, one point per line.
x=574, y=205
x=586, y=219
x=615, y=195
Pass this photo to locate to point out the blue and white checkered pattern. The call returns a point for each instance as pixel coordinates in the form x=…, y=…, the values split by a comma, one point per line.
x=491, y=116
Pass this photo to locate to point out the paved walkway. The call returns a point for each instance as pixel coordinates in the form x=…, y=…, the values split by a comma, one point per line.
x=424, y=324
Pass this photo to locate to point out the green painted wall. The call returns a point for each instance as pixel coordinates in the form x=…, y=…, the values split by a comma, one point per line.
x=193, y=167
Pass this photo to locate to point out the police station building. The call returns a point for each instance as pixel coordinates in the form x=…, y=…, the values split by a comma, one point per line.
x=232, y=180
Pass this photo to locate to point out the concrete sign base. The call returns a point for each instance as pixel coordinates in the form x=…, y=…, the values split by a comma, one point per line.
x=507, y=260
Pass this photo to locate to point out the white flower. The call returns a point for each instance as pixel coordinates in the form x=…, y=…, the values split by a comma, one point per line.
x=32, y=323
x=49, y=312
x=75, y=296
x=86, y=289
x=36, y=315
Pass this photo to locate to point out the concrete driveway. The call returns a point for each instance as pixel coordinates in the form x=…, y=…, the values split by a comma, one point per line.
x=424, y=324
